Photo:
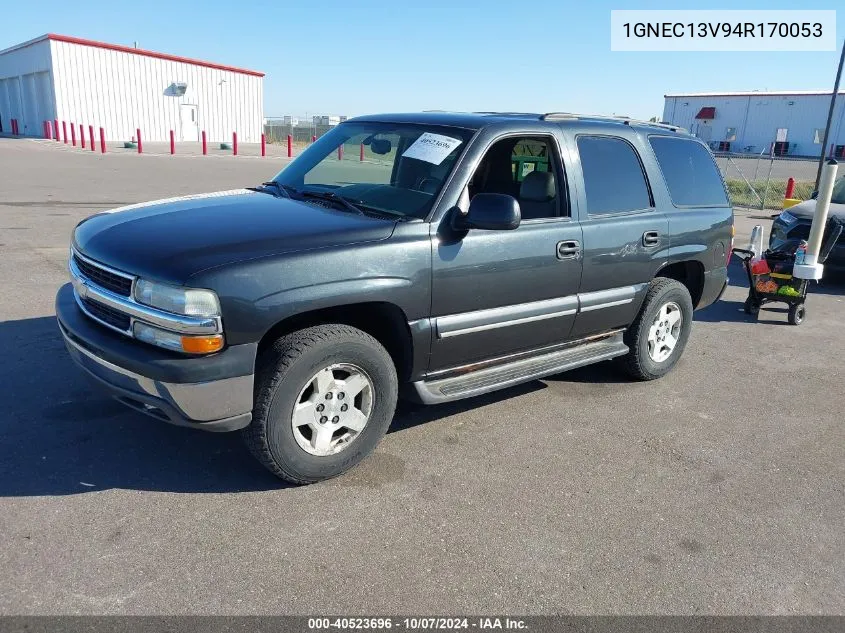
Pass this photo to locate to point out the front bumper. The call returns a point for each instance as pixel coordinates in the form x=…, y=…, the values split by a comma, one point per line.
x=212, y=393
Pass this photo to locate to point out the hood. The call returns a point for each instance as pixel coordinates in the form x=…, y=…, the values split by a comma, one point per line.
x=807, y=209
x=170, y=240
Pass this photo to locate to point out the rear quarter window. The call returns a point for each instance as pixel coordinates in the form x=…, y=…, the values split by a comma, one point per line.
x=690, y=172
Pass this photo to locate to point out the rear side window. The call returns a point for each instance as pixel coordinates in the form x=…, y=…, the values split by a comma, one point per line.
x=613, y=175
x=690, y=172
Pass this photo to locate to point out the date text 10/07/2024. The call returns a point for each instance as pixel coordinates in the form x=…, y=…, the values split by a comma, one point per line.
x=419, y=624
x=723, y=29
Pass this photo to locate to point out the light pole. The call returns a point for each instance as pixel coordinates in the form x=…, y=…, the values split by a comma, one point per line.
x=830, y=117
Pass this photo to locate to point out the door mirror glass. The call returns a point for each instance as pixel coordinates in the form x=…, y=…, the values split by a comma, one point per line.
x=490, y=212
x=381, y=146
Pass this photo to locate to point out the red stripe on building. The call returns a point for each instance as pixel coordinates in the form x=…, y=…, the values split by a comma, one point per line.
x=140, y=51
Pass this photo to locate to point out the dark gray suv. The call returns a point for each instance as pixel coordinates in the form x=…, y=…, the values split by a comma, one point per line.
x=437, y=255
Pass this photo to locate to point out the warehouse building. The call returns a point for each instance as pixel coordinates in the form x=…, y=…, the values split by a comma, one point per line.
x=82, y=83
x=784, y=123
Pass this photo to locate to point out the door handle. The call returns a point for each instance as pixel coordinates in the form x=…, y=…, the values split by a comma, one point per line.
x=568, y=249
x=651, y=238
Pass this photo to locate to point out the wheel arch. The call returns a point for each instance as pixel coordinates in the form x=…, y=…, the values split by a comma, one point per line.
x=384, y=321
x=690, y=273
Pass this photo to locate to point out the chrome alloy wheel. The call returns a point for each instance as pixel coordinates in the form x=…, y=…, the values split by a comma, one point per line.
x=664, y=332
x=332, y=409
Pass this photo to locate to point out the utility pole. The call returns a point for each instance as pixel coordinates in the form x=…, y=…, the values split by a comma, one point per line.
x=830, y=117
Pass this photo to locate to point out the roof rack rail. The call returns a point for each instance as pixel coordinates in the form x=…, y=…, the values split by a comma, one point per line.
x=568, y=116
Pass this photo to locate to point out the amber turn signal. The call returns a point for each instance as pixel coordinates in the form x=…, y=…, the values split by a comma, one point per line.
x=202, y=344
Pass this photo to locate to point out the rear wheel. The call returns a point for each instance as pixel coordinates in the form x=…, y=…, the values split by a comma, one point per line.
x=796, y=313
x=324, y=398
x=659, y=334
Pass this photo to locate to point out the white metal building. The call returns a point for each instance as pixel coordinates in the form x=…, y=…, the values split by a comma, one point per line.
x=788, y=123
x=121, y=89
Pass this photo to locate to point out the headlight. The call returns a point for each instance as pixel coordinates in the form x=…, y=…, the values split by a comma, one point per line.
x=177, y=342
x=787, y=218
x=187, y=301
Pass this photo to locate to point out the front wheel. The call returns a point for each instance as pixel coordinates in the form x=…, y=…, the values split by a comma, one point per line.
x=751, y=306
x=658, y=335
x=324, y=397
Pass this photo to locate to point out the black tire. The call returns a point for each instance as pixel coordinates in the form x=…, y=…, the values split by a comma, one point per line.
x=638, y=363
x=796, y=313
x=282, y=372
x=751, y=306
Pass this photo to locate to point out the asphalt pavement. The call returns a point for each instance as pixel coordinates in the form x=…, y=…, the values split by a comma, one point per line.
x=718, y=489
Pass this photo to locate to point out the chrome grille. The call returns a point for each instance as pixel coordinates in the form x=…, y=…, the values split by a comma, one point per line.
x=118, y=284
x=107, y=315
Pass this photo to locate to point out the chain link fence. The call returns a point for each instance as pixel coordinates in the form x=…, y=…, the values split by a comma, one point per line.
x=760, y=181
x=302, y=133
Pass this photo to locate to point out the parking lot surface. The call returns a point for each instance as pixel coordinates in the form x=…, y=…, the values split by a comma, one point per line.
x=718, y=489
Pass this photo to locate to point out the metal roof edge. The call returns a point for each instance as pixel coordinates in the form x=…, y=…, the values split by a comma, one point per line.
x=140, y=51
x=34, y=40
x=754, y=93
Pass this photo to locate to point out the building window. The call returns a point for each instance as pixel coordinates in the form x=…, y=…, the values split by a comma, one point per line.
x=730, y=134
x=818, y=136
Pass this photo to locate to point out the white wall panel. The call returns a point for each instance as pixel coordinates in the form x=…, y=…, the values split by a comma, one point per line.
x=22, y=93
x=757, y=118
x=122, y=91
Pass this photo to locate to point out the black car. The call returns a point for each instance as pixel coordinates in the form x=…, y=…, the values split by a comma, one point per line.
x=441, y=256
x=794, y=224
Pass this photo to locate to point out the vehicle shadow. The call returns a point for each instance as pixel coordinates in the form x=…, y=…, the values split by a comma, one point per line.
x=61, y=435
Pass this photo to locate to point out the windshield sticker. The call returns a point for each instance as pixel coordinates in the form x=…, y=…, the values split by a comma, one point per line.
x=432, y=148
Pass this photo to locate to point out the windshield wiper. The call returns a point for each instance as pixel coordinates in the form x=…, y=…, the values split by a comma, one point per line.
x=333, y=197
x=284, y=191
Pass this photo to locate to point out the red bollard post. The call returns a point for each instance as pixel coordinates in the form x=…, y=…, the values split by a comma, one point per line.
x=290, y=146
x=172, y=143
x=138, y=136
x=204, y=144
x=361, y=154
x=102, y=141
x=340, y=152
x=44, y=129
x=790, y=187
x=263, y=145
x=82, y=136
x=314, y=139
x=56, y=128
x=64, y=131
x=234, y=143
x=73, y=134
x=91, y=136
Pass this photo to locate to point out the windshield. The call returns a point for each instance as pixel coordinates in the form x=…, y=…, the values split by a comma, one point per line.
x=838, y=196
x=391, y=168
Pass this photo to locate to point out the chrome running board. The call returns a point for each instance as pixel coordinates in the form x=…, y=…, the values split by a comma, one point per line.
x=475, y=383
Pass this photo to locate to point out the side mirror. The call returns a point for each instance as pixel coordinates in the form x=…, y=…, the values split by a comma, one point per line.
x=814, y=195
x=490, y=212
x=381, y=146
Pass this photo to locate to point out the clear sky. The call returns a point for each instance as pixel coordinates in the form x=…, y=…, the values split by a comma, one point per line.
x=361, y=56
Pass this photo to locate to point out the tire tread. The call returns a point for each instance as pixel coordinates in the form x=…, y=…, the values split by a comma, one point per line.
x=271, y=367
x=632, y=363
